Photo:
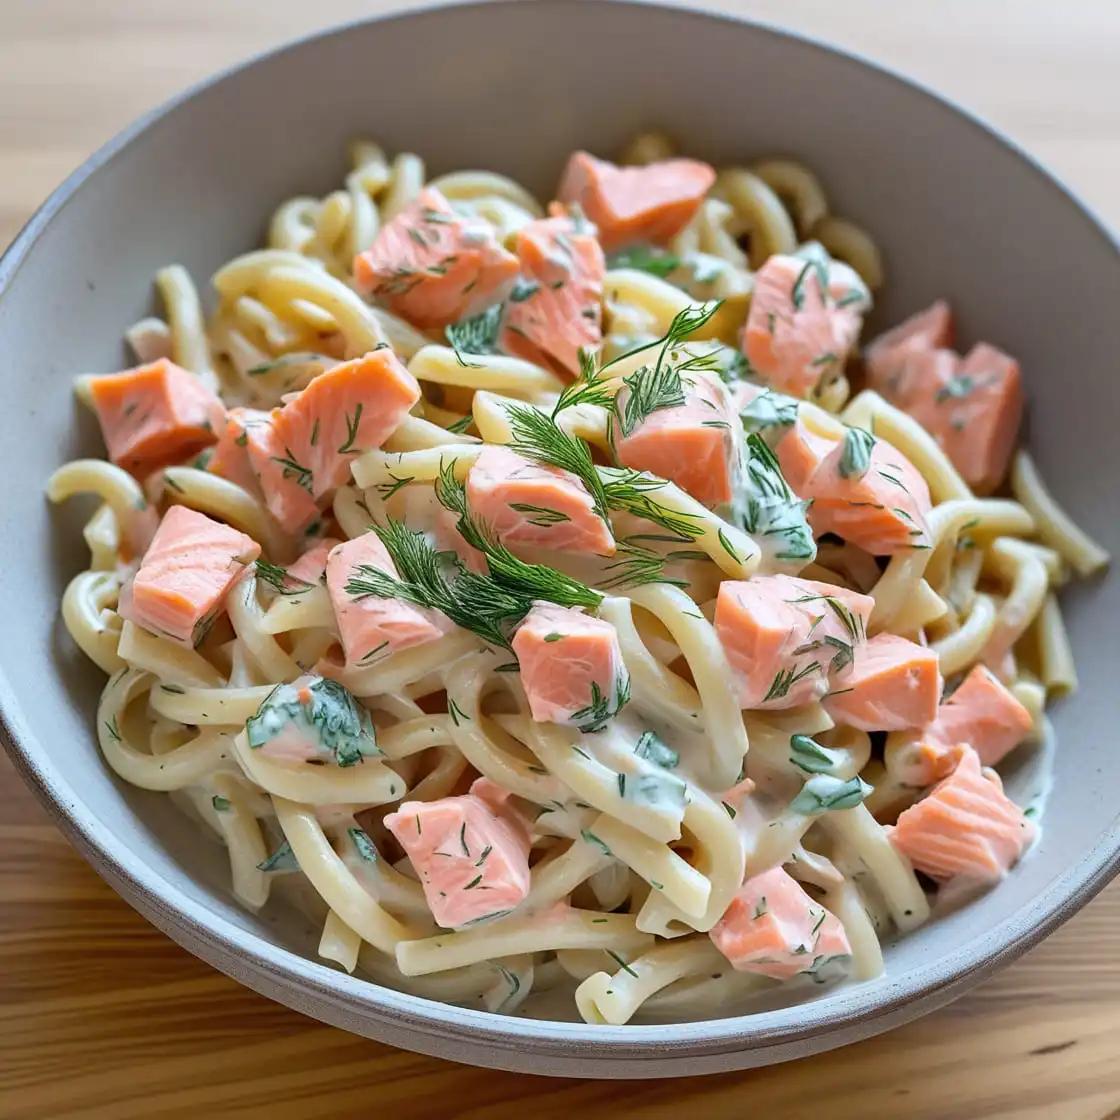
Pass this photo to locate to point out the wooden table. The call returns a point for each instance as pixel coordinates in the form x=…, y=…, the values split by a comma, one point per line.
x=102, y=1016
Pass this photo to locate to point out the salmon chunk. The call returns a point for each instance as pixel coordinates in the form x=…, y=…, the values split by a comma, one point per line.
x=886, y=357
x=981, y=713
x=805, y=317
x=694, y=444
x=555, y=310
x=183, y=579
x=894, y=684
x=972, y=406
x=231, y=458
x=306, y=449
x=965, y=828
x=862, y=488
x=155, y=415
x=774, y=928
x=312, y=720
x=536, y=506
x=432, y=266
x=789, y=640
x=471, y=855
x=974, y=414
x=571, y=667
x=371, y=627
x=628, y=204
x=311, y=566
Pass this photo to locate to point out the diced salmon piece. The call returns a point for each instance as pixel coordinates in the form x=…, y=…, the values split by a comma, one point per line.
x=556, y=308
x=695, y=444
x=805, y=317
x=894, y=684
x=312, y=720
x=311, y=565
x=284, y=478
x=972, y=406
x=985, y=715
x=571, y=667
x=182, y=582
x=774, y=928
x=155, y=415
x=628, y=204
x=863, y=489
x=789, y=640
x=472, y=859
x=536, y=506
x=975, y=414
x=231, y=456
x=306, y=449
x=886, y=357
x=351, y=408
x=432, y=266
x=981, y=713
x=371, y=627
x=965, y=828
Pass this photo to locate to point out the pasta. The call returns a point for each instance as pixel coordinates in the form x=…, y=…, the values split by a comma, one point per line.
x=524, y=581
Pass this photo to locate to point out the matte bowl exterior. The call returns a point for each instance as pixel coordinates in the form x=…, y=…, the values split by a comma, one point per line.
x=959, y=212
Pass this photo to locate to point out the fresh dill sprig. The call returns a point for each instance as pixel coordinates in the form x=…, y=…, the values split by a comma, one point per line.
x=511, y=575
x=628, y=491
x=650, y=389
x=430, y=579
x=539, y=437
x=476, y=335
x=635, y=565
x=768, y=509
x=280, y=579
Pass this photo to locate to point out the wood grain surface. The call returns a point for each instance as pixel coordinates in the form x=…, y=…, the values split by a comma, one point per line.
x=102, y=1017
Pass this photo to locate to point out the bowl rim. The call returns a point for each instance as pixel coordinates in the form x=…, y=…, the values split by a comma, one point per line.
x=285, y=975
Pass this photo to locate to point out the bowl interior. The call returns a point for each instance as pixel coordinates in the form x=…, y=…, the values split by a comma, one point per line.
x=957, y=212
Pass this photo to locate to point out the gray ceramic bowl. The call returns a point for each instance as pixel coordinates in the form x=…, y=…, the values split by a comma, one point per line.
x=959, y=211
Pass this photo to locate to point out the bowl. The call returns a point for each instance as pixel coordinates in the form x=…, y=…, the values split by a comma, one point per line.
x=958, y=210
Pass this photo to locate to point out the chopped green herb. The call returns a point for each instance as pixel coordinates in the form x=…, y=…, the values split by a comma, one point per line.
x=477, y=335
x=324, y=713
x=292, y=469
x=645, y=258
x=955, y=389
x=589, y=837
x=364, y=846
x=855, y=457
x=281, y=580
x=808, y=755
x=387, y=489
x=283, y=859
x=622, y=964
x=541, y=516
x=651, y=747
x=352, y=424
x=823, y=793
x=221, y=804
